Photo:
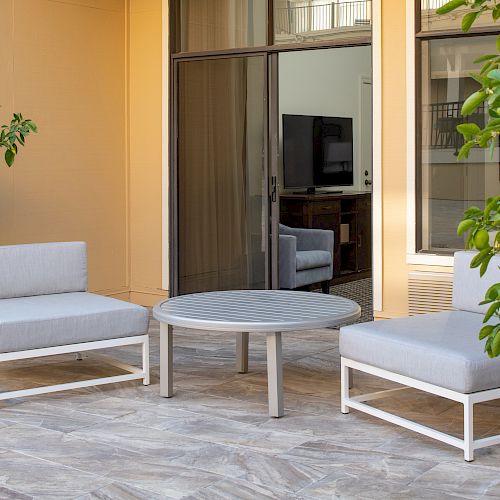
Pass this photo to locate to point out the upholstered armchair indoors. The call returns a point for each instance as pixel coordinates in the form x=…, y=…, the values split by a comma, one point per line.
x=306, y=257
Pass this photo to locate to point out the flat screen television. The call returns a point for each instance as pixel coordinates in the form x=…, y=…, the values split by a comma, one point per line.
x=317, y=152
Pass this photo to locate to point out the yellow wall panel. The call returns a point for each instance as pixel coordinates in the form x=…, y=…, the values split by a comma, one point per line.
x=64, y=65
x=146, y=149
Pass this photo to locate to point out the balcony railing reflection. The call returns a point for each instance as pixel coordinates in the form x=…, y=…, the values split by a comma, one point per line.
x=444, y=118
x=300, y=19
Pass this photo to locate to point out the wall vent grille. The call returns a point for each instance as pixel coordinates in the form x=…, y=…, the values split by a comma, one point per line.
x=429, y=292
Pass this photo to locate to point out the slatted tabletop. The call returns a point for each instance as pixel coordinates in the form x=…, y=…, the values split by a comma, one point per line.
x=257, y=310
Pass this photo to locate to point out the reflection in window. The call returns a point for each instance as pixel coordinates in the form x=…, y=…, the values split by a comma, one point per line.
x=430, y=21
x=222, y=24
x=448, y=187
x=316, y=20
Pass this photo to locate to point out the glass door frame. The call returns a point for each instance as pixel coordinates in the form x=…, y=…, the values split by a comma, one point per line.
x=271, y=129
x=270, y=171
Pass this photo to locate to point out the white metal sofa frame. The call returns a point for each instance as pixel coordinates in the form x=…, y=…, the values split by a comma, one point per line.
x=468, y=291
x=55, y=274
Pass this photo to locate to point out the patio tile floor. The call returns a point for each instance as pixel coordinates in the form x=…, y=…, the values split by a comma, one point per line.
x=215, y=440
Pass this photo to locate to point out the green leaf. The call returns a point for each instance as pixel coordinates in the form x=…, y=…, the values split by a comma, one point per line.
x=468, y=130
x=473, y=212
x=473, y=102
x=494, y=74
x=468, y=20
x=448, y=7
x=9, y=157
x=484, y=265
x=464, y=226
x=486, y=57
x=496, y=12
x=491, y=311
x=465, y=150
x=478, y=259
x=485, y=331
x=495, y=345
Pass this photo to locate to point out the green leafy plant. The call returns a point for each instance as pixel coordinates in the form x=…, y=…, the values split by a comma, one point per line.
x=13, y=134
x=482, y=226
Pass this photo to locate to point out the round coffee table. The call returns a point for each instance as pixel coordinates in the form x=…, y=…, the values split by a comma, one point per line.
x=245, y=311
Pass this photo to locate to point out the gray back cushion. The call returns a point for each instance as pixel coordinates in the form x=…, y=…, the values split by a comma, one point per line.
x=468, y=287
x=42, y=269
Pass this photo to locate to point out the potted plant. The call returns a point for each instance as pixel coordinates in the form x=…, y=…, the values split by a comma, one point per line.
x=13, y=134
x=482, y=226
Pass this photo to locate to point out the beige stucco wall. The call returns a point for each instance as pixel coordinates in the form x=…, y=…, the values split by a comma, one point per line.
x=394, y=297
x=146, y=150
x=89, y=73
x=394, y=166
x=63, y=65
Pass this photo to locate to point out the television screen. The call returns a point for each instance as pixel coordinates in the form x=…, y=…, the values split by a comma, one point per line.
x=317, y=151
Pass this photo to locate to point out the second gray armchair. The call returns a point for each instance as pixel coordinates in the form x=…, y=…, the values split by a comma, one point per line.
x=306, y=257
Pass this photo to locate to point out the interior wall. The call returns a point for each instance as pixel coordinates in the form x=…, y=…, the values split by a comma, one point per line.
x=63, y=64
x=145, y=105
x=326, y=83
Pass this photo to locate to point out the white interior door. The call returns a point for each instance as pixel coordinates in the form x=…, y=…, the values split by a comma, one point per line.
x=366, y=134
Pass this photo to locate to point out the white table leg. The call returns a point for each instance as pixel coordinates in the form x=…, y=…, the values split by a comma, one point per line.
x=345, y=385
x=468, y=430
x=242, y=352
x=166, y=361
x=275, y=374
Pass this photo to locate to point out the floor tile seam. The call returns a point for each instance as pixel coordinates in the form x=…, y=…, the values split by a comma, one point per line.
x=52, y=462
x=14, y=490
x=452, y=493
x=131, y=485
x=272, y=488
x=176, y=434
x=243, y=475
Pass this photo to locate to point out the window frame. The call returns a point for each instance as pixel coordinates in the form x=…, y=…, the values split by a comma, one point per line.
x=415, y=37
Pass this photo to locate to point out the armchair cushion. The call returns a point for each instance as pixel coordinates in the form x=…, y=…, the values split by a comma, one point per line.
x=42, y=269
x=67, y=318
x=469, y=287
x=439, y=348
x=311, y=259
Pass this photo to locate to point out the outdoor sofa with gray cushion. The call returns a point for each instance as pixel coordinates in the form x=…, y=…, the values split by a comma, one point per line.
x=439, y=353
x=306, y=257
x=46, y=310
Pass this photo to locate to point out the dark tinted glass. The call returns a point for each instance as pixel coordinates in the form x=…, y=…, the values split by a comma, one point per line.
x=448, y=187
x=222, y=24
x=222, y=197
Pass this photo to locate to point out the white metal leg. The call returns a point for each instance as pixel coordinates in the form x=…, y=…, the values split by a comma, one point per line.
x=467, y=444
x=166, y=361
x=275, y=374
x=135, y=373
x=345, y=385
x=242, y=352
x=145, y=361
x=468, y=430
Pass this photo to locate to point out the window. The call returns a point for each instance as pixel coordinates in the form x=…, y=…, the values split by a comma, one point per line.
x=445, y=187
x=430, y=21
x=221, y=24
x=298, y=21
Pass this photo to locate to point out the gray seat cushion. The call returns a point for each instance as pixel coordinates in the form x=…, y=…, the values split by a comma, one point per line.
x=439, y=348
x=67, y=318
x=311, y=259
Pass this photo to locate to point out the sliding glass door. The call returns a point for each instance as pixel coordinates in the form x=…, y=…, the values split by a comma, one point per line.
x=222, y=216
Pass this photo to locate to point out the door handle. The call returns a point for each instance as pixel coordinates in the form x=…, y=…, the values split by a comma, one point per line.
x=273, y=188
